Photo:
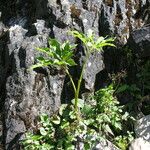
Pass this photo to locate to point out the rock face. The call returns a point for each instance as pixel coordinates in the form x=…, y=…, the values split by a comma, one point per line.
x=139, y=144
x=142, y=131
x=139, y=42
x=142, y=128
x=29, y=93
x=27, y=24
x=105, y=145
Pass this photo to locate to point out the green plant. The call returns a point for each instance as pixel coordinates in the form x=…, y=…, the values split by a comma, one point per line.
x=79, y=122
x=123, y=141
x=106, y=114
x=60, y=55
x=132, y=89
x=63, y=131
x=138, y=91
x=57, y=54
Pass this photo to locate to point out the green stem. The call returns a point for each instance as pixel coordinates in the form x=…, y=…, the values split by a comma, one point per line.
x=72, y=82
x=79, y=86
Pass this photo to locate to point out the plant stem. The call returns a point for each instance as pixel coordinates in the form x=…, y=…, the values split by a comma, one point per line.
x=72, y=82
x=79, y=86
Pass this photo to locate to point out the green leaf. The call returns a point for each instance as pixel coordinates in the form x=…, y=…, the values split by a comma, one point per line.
x=80, y=103
x=87, y=109
x=118, y=125
x=99, y=40
x=87, y=146
x=44, y=49
x=43, y=131
x=62, y=108
x=36, y=137
x=56, y=119
x=54, y=43
x=44, y=118
x=122, y=88
x=36, y=66
x=41, y=58
x=79, y=35
x=105, y=44
x=125, y=116
x=72, y=114
x=107, y=128
x=64, y=124
x=89, y=121
x=67, y=55
x=71, y=62
x=133, y=88
x=69, y=146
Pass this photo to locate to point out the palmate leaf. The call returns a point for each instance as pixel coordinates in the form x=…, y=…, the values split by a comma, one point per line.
x=55, y=47
x=67, y=56
x=54, y=43
x=67, y=50
x=91, y=43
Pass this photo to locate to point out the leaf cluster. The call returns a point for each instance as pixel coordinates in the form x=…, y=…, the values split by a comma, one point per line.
x=91, y=42
x=57, y=55
x=79, y=122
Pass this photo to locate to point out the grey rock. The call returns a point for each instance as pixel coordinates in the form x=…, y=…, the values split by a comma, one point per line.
x=26, y=94
x=139, y=144
x=101, y=145
x=2, y=29
x=105, y=145
x=139, y=41
x=93, y=66
x=29, y=93
x=142, y=128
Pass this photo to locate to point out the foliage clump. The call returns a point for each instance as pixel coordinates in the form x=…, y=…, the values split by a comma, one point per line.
x=63, y=130
x=81, y=123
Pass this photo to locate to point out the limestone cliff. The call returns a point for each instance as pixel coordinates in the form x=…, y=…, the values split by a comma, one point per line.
x=27, y=24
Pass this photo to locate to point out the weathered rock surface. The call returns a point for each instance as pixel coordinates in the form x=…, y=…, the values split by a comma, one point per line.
x=101, y=145
x=139, y=144
x=29, y=93
x=105, y=145
x=142, y=128
x=139, y=41
x=26, y=93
